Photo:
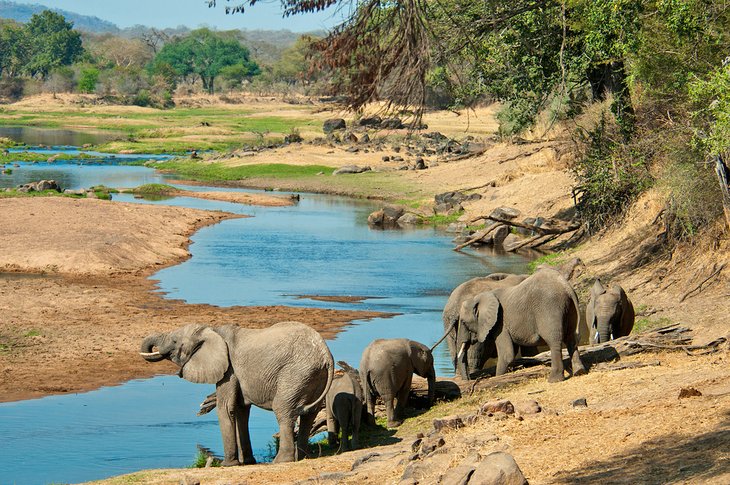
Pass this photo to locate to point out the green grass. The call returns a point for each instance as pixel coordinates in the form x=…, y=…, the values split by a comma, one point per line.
x=154, y=189
x=4, y=347
x=219, y=172
x=42, y=157
x=552, y=259
x=644, y=324
x=12, y=193
x=200, y=460
x=32, y=333
x=442, y=220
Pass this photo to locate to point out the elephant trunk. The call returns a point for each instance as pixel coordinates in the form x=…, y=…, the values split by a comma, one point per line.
x=606, y=329
x=148, y=344
x=431, y=388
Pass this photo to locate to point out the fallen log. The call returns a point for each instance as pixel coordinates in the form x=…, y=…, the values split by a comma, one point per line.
x=478, y=236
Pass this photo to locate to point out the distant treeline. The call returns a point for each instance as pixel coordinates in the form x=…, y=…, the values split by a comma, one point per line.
x=147, y=66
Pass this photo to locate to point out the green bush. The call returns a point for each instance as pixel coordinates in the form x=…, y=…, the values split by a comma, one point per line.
x=88, y=78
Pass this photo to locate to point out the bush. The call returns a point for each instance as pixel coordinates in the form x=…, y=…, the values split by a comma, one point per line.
x=142, y=98
x=610, y=176
x=88, y=78
x=11, y=89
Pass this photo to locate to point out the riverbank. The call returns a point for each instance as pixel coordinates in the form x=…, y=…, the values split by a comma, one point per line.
x=76, y=299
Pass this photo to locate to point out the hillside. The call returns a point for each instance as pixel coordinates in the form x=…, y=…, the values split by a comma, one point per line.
x=23, y=12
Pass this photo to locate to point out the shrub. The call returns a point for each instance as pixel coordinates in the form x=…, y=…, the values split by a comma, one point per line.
x=11, y=89
x=88, y=78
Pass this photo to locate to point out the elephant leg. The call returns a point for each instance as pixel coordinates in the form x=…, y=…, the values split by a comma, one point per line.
x=331, y=429
x=390, y=410
x=576, y=364
x=286, y=437
x=370, y=397
x=556, y=362
x=345, y=417
x=402, y=397
x=226, y=392
x=356, y=418
x=305, y=426
x=505, y=353
x=244, y=439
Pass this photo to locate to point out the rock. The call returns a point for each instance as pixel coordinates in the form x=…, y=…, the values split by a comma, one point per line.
x=435, y=135
x=433, y=164
x=470, y=420
x=408, y=219
x=460, y=474
x=363, y=459
x=448, y=422
x=580, y=403
x=372, y=121
x=350, y=138
x=386, y=217
x=420, y=164
x=403, y=167
x=501, y=406
x=365, y=138
x=39, y=186
x=349, y=169
x=686, y=392
x=498, y=468
x=397, y=158
x=429, y=445
x=352, y=149
x=456, y=227
x=333, y=124
x=527, y=407
x=511, y=240
x=499, y=235
x=421, y=470
x=447, y=209
x=505, y=212
x=386, y=158
x=392, y=124
x=188, y=480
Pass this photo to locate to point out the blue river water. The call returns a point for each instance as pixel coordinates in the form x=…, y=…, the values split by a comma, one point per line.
x=321, y=246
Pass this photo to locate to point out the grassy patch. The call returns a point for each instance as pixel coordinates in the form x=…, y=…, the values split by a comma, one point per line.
x=442, y=220
x=12, y=193
x=155, y=189
x=6, y=142
x=552, y=259
x=216, y=171
x=644, y=324
x=32, y=333
x=4, y=347
x=202, y=458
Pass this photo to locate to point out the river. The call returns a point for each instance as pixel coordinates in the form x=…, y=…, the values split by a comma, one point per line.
x=321, y=246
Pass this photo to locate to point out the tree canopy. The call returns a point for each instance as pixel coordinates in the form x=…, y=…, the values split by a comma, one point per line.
x=205, y=54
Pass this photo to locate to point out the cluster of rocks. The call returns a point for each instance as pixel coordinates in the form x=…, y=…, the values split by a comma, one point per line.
x=391, y=217
x=500, y=237
x=39, y=186
x=449, y=203
x=373, y=122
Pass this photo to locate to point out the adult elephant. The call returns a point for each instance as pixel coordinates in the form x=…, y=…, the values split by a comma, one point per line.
x=542, y=310
x=286, y=368
x=478, y=353
x=609, y=313
x=386, y=370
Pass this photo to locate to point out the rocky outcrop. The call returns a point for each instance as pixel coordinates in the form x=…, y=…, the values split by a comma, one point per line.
x=350, y=169
x=40, y=186
x=387, y=217
x=334, y=124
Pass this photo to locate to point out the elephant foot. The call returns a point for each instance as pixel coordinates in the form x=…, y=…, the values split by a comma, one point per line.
x=556, y=378
x=580, y=371
x=249, y=460
x=230, y=463
x=284, y=458
x=394, y=424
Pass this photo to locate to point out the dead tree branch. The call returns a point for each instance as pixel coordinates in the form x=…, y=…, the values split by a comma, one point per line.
x=716, y=272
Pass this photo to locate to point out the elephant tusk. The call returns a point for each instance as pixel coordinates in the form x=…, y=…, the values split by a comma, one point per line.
x=150, y=354
x=461, y=351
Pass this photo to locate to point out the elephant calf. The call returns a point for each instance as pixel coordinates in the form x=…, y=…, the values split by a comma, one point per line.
x=386, y=370
x=609, y=313
x=344, y=403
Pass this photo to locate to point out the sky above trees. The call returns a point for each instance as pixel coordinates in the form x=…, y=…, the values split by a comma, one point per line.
x=193, y=13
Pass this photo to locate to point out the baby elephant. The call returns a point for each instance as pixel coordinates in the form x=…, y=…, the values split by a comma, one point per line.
x=386, y=370
x=609, y=313
x=344, y=404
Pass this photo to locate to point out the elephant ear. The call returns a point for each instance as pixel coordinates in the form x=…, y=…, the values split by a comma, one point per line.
x=210, y=362
x=487, y=314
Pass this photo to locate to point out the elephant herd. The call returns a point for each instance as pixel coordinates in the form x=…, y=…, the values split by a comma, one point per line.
x=288, y=368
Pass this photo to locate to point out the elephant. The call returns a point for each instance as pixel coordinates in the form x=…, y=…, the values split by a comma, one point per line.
x=286, y=368
x=609, y=313
x=543, y=309
x=478, y=353
x=344, y=403
x=386, y=370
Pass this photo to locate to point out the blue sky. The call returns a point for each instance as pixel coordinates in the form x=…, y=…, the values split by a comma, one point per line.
x=193, y=13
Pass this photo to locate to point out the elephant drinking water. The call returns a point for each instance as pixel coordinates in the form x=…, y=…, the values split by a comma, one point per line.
x=286, y=368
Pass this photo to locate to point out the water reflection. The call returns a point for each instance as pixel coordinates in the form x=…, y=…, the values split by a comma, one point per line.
x=33, y=136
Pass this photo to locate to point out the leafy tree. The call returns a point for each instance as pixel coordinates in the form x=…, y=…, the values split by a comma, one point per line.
x=294, y=65
x=204, y=54
x=88, y=78
x=13, y=49
x=52, y=42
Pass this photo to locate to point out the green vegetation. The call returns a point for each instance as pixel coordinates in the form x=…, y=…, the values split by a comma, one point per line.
x=32, y=333
x=552, y=259
x=202, y=458
x=4, y=347
x=217, y=171
x=441, y=219
x=11, y=193
x=644, y=324
x=154, y=189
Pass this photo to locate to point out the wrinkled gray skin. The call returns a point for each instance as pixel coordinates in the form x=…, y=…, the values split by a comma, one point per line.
x=478, y=353
x=609, y=313
x=542, y=310
x=386, y=370
x=286, y=368
x=344, y=403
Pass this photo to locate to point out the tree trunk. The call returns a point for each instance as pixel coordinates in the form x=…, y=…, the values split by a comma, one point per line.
x=723, y=175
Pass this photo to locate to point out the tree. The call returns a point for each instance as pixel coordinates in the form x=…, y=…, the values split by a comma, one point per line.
x=52, y=42
x=204, y=54
x=13, y=49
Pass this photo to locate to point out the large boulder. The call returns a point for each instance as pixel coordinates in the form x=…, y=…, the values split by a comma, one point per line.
x=40, y=186
x=392, y=124
x=351, y=169
x=371, y=121
x=498, y=468
x=387, y=217
x=505, y=213
x=334, y=124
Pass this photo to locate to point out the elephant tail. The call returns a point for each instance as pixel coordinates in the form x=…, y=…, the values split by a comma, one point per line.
x=306, y=409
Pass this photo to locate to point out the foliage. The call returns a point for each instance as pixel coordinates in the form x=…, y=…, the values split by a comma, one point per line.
x=52, y=42
x=155, y=189
x=202, y=458
x=88, y=78
x=216, y=171
x=204, y=54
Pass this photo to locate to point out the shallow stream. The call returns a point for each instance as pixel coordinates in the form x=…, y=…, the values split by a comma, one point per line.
x=321, y=246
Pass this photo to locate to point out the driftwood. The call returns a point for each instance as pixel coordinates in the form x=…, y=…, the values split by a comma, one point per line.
x=716, y=271
x=544, y=235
